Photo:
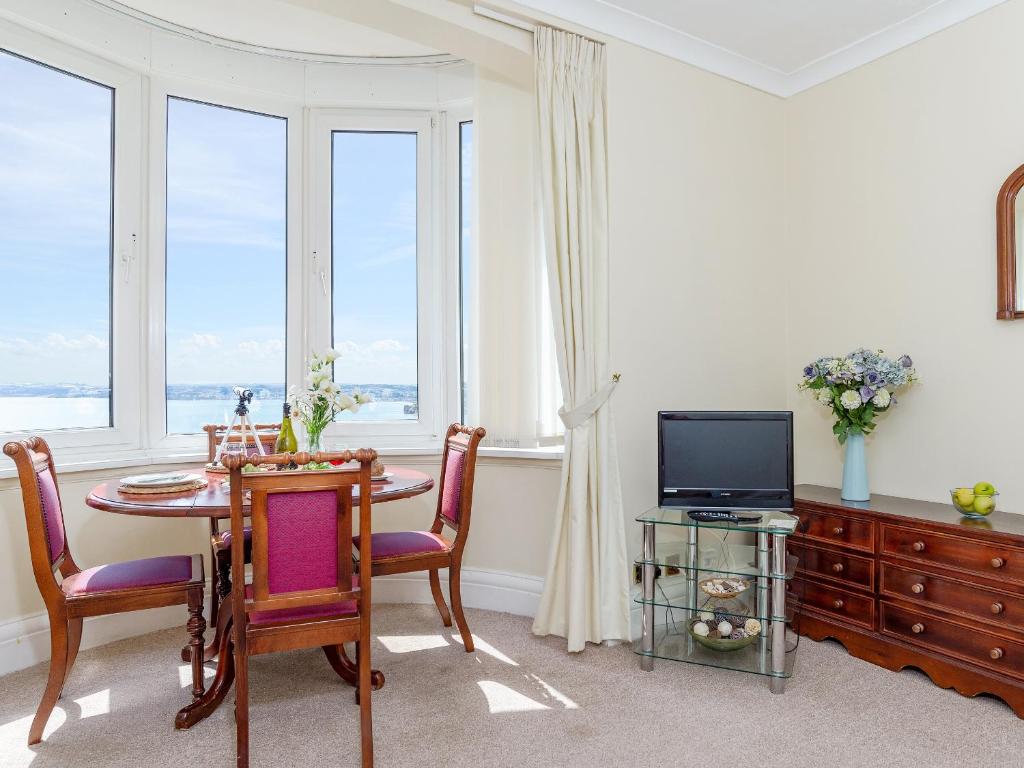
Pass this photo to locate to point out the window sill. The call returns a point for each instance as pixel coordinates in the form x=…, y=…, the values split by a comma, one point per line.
x=153, y=459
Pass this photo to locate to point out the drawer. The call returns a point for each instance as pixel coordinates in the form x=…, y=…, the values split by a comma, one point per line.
x=966, y=643
x=927, y=589
x=988, y=559
x=838, y=603
x=840, y=566
x=836, y=529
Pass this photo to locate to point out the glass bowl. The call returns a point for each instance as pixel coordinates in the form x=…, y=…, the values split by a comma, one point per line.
x=970, y=504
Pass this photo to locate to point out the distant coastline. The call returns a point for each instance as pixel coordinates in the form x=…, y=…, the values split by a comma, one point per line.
x=380, y=392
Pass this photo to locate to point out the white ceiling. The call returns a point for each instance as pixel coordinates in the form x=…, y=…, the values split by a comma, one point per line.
x=780, y=46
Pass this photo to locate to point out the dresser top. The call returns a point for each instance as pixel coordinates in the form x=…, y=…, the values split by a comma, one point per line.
x=913, y=509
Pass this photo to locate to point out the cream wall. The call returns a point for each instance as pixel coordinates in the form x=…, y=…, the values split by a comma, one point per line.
x=698, y=311
x=891, y=177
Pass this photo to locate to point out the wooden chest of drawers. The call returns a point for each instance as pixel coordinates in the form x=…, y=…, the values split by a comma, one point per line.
x=912, y=583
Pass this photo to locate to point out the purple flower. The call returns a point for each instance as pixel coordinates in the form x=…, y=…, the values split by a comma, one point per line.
x=866, y=393
x=872, y=378
x=809, y=372
x=906, y=362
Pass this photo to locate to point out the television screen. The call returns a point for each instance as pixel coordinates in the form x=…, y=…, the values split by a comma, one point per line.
x=726, y=460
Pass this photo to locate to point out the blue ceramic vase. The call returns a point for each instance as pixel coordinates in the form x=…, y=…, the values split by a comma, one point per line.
x=855, y=470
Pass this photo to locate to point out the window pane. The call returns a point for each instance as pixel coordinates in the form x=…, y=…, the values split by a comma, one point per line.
x=226, y=259
x=466, y=256
x=373, y=230
x=56, y=161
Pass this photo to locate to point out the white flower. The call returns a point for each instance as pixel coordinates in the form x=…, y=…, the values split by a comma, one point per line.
x=850, y=399
x=346, y=403
x=881, y=398
x=825, y=396
x=331, y=355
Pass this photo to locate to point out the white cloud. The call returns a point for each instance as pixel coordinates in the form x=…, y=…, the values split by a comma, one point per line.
x=52, y=344
x=261, y=349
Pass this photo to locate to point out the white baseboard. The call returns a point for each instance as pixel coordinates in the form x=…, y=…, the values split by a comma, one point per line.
x=25, y=641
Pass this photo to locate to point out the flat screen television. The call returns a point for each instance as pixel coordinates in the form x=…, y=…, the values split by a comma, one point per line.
x=725, y=460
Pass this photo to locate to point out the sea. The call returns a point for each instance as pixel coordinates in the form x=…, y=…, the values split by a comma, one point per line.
x=37, y=414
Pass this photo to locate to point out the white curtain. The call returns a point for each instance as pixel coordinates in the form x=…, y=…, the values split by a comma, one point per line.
x=586, y=593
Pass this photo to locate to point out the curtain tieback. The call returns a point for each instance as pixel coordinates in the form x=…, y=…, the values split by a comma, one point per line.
x=585, y=411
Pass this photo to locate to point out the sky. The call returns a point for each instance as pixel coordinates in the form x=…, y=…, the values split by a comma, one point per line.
x=226, y=233
x=55, y=209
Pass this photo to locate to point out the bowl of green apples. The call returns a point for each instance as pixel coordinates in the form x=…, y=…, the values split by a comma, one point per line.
x=978, y=501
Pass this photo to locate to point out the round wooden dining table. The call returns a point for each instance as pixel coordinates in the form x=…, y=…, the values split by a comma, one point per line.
x=214, y=501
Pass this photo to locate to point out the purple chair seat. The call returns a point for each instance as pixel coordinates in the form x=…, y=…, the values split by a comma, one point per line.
x=224, y=539
x=131, y=574
x=405, y=543
x=305, y=613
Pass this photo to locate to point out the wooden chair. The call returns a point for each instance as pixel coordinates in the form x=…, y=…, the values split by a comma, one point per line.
x=409, y=551
x=220, y=541
x=104, y=589
x=304, y=592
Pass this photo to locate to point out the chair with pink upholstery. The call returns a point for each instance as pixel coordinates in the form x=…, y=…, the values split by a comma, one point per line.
x=104, y=589
x=304, y=592
x=410, y=551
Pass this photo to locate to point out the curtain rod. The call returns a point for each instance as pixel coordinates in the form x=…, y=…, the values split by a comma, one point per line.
x=515, y=21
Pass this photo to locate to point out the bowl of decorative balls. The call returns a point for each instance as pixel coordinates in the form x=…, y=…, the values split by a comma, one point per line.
x=722, y=631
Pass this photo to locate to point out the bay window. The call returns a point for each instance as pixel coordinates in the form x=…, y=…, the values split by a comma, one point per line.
x=158, y=251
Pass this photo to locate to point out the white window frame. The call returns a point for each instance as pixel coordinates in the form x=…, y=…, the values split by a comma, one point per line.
x=454, y=117
x=437, y=360
x=126, y=334
x=161, y=90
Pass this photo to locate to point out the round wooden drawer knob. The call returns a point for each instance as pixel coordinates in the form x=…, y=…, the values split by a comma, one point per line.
x=918, y=546
x=838, y=530
x=837, y=567
x=996, y=654
x=917, y=629
x=837, y=603
x=997, y=607
x=998, y=562
x=917, y=589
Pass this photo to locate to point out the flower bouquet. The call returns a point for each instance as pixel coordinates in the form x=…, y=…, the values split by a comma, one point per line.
x=857, y=388
x=322, y=399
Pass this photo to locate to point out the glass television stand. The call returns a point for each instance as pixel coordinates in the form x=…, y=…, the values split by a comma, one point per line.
x=742, y=575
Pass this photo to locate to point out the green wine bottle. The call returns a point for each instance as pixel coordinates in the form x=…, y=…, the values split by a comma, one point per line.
x=286, y=442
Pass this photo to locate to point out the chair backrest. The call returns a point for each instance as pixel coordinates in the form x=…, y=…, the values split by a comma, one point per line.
x=301, y=530
x=267, y=434
x=458, y=472
x=44, y=516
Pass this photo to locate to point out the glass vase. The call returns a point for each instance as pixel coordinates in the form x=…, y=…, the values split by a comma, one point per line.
x=855, y=470
x=314, y=441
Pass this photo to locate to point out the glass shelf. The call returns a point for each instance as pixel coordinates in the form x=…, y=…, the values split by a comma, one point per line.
x=743, y=607
x=754, y=659
x=742, y=556
x=771, y=522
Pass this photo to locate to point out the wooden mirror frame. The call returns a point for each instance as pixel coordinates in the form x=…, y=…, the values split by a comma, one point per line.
x=1006, y=248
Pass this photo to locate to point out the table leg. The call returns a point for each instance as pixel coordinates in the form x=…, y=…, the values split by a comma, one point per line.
x=204, y=706
x=346, y=668
x=224, y=593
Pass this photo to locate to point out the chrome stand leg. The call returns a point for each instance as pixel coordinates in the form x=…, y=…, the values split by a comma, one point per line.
x=763, y=582
x=647, y=629
x=691, y=564
x=778, y=624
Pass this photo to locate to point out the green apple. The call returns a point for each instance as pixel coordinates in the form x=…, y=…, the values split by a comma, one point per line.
x=983, y=505
x=984, y=489
x=965, y=497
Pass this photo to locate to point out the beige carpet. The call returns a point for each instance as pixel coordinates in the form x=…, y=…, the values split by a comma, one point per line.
x=518, y=701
